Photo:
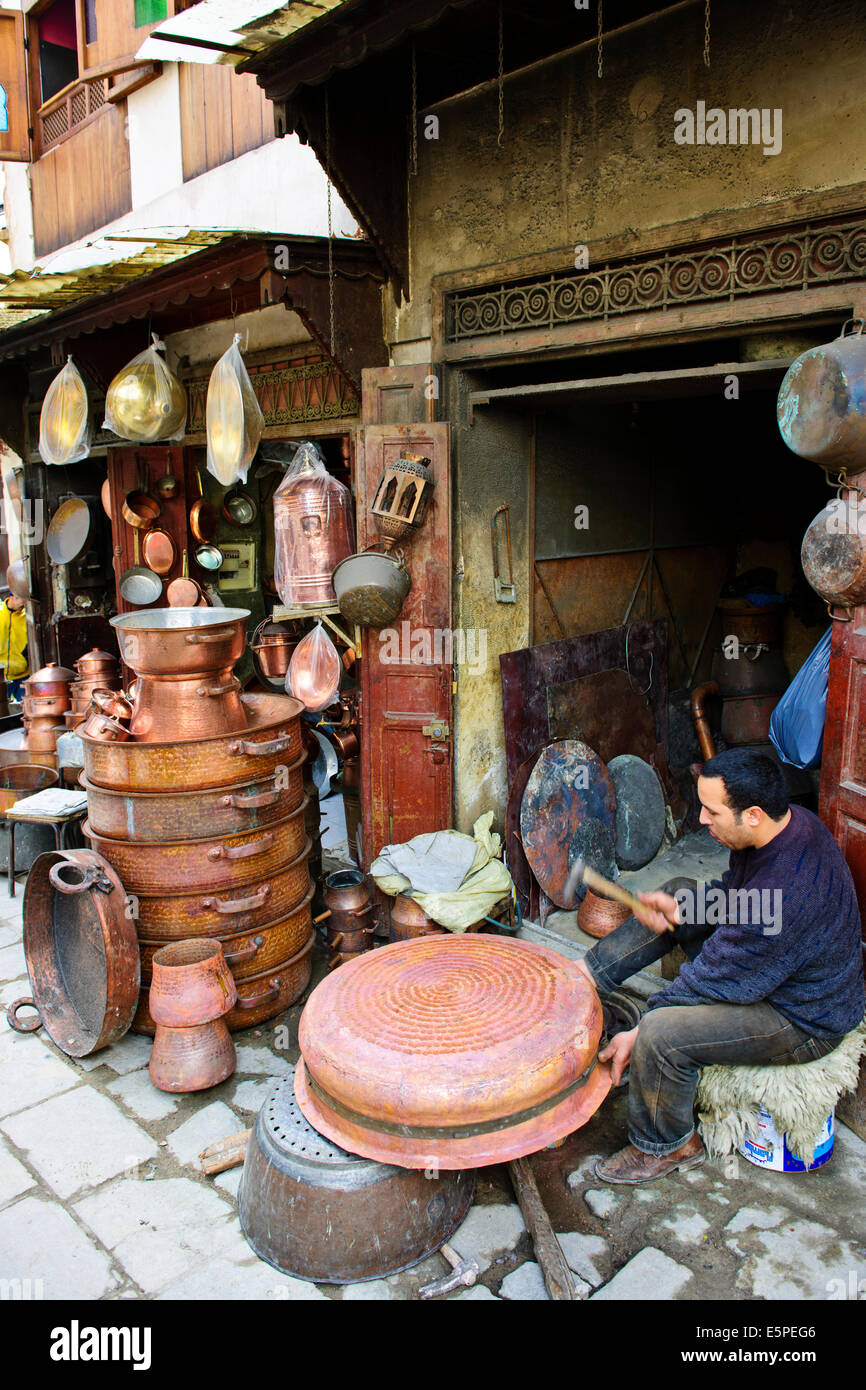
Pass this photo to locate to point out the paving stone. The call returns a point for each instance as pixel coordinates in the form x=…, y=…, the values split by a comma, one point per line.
x=650, y=1276
x=645, y=1195
x=79, y=1139
x=205, y=1127
x=163, y=1231
x=757, y=1218
x=129, y=1054
x=14, y=1177
x=695, y=1177
x=31, y=1072
x=40, y=1241
x=479, y=1293
x=688, y=1227
x=139, y=1095
x=261, y=1061
x=587, y=1256
x=488, y=1230
x=12, y=962
x=251, y=1095
x=229, y=1182
x=372, y=1291
x=719, y=1199
x=247, y=1279
x=584, y=1172
x=800, y=1260
x=10, y=933
x=602, y=1202
x=15, y=989
x=525, y=1284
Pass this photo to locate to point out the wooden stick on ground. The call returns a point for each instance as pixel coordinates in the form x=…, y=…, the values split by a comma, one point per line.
x=548, y=1252
x=225, y=1153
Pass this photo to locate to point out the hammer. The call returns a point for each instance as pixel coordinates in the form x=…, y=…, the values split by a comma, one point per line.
x=581, y=872
x=463, y=1275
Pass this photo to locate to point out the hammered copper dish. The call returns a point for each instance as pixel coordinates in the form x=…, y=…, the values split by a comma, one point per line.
x=155, y=817
x=244, y=907
x=271, y=740
x=211, y=864
x=454, y=1052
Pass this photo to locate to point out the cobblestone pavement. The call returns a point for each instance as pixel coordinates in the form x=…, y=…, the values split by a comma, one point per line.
x=101, y=1196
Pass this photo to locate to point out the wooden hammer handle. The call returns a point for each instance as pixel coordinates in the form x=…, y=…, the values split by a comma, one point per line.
x=609, y=890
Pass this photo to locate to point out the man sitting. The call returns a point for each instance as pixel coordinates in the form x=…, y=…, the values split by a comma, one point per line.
x=773, y=976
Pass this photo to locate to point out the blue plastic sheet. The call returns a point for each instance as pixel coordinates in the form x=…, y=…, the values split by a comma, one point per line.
x=797, y=725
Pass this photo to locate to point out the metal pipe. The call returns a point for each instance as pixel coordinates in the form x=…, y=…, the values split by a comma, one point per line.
x=700, y=720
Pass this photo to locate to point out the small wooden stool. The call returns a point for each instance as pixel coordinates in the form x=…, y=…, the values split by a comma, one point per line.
x=57, y=822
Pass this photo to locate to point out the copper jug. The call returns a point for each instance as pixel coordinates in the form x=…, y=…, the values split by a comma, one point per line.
x=314, y=531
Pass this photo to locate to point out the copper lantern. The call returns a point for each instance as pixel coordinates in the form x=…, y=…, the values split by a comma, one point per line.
x=402, y=498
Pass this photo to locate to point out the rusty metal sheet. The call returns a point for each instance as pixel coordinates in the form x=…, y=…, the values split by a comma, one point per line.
x=568, y=807
x=605, y=710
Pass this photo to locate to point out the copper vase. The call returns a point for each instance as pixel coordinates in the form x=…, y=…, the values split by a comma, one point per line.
x=191, y=984
x=192, y=1059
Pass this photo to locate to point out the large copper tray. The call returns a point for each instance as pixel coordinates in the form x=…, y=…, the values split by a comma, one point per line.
x=451, y=1052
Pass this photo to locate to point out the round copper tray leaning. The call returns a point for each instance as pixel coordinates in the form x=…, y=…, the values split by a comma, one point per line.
x=451, y=1052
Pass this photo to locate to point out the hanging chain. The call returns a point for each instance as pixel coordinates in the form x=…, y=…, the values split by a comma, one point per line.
x=414, y=113
x=330, y=228
x=501, y=76
x=600, y=38
x=706, y=33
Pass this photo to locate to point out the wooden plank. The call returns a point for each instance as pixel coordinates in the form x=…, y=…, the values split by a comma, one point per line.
x=91, y=182
x=43, y=184
x=192, y=119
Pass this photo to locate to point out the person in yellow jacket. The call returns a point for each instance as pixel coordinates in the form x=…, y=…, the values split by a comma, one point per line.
x=13, y=644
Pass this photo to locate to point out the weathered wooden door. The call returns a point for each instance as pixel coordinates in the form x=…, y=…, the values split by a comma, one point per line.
x=842, y=803
x=407, y=670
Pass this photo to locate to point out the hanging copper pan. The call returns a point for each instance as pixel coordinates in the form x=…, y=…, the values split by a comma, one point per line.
x=184, y=592
x=203, y=518
x=158, y=551
x=140, y=510
x=451, y=1053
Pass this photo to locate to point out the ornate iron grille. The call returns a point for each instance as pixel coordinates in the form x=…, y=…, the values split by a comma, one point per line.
x=287, y=394
x=798, y=258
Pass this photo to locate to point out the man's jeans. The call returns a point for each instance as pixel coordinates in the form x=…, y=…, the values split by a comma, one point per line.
x=674, y=1042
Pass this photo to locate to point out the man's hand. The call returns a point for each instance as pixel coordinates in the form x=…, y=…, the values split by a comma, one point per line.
x=618, y=1053
x=662, y=912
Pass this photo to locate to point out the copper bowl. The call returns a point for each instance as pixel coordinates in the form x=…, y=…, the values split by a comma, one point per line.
x=181, y=641
x=191, y=1059
x=36, y=706
x=469, y=1050
x=190, y=983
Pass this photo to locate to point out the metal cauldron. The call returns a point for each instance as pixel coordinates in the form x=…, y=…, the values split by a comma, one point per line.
x=371, y=588
x=833, y=554
x=311, y=1209
x=821, y=408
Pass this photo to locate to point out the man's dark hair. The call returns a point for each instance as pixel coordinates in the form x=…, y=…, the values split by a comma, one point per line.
x=751, y=779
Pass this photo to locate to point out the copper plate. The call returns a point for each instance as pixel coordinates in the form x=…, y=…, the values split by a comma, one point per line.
x=451, y=1052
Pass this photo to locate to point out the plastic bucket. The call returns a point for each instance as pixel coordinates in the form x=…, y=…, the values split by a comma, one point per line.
x=770, y=1149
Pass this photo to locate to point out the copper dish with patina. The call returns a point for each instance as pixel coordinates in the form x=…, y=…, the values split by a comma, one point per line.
x=451, y=1052
x=251, y=952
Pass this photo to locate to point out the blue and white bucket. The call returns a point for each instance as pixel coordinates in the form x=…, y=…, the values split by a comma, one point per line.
x=770, y=1148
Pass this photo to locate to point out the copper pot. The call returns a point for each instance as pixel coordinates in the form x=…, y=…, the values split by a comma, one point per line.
x=96, y=663
x=190, y=983
x=154, y=817
x=243, y=907
x=350, y=942
x=260, y=997
x=181, y=641
x=338, y=958
x=408, y=920
x=272, y=740
x=140, y=510
x=208, y=864
x=191, y=1059
x=44, y=706
x=599, y=916
x=113, y=703
x=104, y=730
x=344, y=740
x=51, y=680
x=251, y=952
x=191, y=707
x=44, y=740
x=272, y=649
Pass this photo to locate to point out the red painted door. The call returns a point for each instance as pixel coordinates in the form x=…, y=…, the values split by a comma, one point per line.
x=843, y=769
x=407, y=670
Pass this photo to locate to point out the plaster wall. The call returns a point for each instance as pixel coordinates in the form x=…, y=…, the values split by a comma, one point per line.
x=153, y=129
x=584, y=159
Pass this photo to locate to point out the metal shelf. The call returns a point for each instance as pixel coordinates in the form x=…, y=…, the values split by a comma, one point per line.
x=281, y=614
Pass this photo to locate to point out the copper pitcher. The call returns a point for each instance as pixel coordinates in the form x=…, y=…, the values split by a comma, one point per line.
x=408, y=920
x=191, y=984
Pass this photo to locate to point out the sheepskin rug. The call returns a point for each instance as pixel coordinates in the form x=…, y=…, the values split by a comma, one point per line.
x=798, y=1097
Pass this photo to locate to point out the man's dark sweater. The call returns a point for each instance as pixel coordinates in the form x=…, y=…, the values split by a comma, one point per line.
x=811, y=967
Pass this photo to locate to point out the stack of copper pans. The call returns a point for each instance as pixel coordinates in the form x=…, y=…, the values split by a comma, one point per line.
x=207, y=832
x=44, y=706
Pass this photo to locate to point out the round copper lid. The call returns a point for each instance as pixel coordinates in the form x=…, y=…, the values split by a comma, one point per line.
x=451, y=1052
x=52, y=674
